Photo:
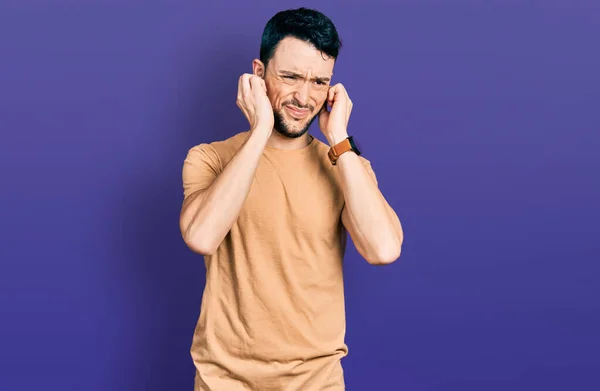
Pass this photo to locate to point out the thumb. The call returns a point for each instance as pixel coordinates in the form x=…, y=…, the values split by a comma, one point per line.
x=323, y=116
x=264, y=85
x=324, y=109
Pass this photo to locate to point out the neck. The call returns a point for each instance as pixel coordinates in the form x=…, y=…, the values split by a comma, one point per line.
x=281, y=142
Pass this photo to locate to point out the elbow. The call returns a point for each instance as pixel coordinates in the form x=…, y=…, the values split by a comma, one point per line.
x=200, y=247
x=386, y=254
x=198, y=242
x=388, y=248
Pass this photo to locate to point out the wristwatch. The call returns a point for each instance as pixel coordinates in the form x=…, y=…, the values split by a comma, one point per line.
x=344, y=146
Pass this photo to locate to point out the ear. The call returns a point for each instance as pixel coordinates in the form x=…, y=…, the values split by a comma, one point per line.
x=258, y=68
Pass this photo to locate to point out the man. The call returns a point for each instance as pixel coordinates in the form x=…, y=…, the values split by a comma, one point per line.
x=269, y=209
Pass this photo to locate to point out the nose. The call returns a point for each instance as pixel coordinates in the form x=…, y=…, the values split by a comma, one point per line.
x=302, y=94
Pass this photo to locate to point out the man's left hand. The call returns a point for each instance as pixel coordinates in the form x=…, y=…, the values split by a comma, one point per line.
x=334, y=123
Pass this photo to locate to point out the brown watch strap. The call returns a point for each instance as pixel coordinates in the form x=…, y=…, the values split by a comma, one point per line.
x=337, y=150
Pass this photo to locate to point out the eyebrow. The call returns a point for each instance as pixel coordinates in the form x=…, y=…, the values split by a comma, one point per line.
x=290, y=73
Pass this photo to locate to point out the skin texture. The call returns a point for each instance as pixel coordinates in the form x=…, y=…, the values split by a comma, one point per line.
x=297, y=76
x=280, y=101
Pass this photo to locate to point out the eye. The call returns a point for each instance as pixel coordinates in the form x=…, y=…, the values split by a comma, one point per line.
x=290, y=77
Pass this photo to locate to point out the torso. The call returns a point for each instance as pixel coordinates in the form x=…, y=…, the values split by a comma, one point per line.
x=273, y=309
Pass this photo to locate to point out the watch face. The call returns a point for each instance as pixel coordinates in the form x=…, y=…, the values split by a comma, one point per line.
x=354, y=145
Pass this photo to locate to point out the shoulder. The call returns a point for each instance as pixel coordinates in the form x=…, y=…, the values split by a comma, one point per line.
x=228, y=147
x=217, y=153
x=205, y=161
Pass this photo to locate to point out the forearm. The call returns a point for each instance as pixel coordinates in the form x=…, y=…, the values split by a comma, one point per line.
x=207, y=216
x=374, y=226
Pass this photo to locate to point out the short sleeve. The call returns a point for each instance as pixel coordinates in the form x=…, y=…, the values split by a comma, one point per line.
x=200, y=168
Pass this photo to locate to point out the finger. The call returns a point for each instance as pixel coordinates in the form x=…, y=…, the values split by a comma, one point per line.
x=323, y=108
x=323, y=115
x=338, y=93
x=344, y=91
x=263, y=84
x=245, y=85
x=255, y=84
x=331, y=94
x=240, y=87
x=330, y=99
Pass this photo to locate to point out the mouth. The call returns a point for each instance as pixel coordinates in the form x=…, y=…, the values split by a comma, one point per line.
x=296, y=112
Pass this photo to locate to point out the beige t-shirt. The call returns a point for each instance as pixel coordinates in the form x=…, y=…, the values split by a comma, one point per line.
x=272, y=315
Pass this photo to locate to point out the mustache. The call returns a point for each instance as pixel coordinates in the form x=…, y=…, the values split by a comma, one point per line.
x=297, y=104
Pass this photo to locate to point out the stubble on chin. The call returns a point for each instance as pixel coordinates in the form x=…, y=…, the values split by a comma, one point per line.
x=281, y=126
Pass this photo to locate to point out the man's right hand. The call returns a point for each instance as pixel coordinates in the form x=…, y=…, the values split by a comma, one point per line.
x=207, y=215
x=252, y=99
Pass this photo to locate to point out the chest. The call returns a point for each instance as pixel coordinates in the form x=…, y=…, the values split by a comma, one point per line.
x=303, y=199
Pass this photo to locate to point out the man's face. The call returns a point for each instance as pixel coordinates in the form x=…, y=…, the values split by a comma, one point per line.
x=298, y=78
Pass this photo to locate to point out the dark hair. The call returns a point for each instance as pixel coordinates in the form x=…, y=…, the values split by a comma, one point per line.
x=305, y=24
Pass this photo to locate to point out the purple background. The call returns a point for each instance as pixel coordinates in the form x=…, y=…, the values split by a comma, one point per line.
x=481, y=119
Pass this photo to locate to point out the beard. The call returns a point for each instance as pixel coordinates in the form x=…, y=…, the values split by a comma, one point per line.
x=292, y=128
